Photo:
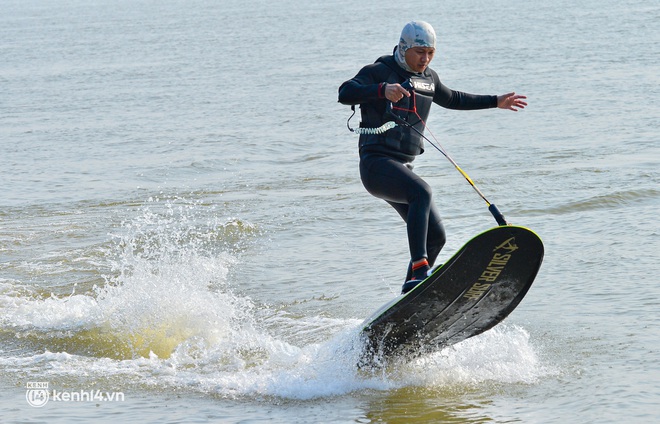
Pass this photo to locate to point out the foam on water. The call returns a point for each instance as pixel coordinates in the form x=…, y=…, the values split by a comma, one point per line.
x=168, y=318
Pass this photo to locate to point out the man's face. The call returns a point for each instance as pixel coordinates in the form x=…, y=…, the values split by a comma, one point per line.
x=418, y=58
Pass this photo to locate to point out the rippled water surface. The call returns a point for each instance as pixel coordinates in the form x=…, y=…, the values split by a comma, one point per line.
x=182, y=221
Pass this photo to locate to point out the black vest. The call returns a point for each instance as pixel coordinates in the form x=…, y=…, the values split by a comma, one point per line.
x=400, y=139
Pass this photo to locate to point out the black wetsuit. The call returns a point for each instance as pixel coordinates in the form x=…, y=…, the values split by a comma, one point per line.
x=385, y=159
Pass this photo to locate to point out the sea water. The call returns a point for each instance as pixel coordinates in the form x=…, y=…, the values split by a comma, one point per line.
x=184, y=236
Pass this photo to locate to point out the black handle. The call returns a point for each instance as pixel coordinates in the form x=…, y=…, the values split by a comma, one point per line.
x=497, y=214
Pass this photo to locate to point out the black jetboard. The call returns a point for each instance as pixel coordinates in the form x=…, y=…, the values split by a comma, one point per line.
x=472, y=292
